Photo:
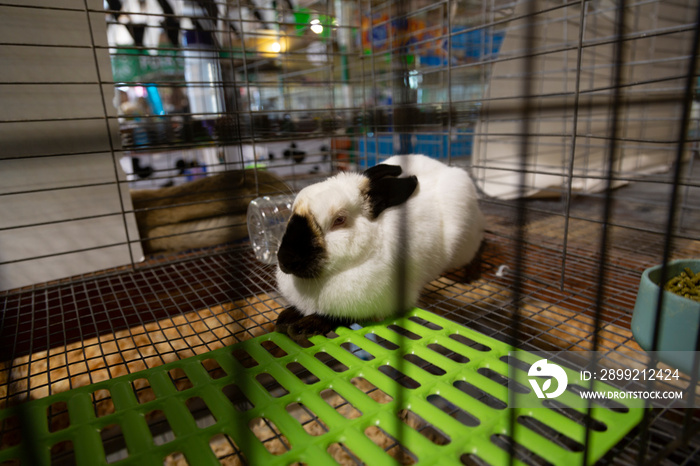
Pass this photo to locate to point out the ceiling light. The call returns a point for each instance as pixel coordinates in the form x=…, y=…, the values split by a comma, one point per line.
x=316, y=26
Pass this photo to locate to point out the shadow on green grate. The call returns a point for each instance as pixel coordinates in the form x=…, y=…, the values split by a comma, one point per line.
x=416, y=389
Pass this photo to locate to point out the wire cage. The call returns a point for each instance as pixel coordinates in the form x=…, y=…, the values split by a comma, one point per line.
x=138, y=325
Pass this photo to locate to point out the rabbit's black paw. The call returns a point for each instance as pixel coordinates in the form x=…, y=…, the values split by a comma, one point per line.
x=299, y=327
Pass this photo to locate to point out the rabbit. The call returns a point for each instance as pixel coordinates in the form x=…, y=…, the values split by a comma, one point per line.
x=361, y=247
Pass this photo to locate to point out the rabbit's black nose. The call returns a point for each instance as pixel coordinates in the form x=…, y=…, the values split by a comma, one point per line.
x=301, y=252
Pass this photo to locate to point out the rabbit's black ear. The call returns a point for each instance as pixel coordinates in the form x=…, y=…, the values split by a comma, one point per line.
x=385, y=189
x=382, y=170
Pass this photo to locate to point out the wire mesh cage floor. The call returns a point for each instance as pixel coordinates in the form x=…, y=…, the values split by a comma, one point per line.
x=169, y=322
x=356, y=399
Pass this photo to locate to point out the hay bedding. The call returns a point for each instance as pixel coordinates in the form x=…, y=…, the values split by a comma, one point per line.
x=126, y=351
x=206, y=212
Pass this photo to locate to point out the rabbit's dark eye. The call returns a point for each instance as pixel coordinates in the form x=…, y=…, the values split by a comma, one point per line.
x=339, y=221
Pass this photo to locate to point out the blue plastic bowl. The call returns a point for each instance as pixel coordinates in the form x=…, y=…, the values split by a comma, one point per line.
x=680, y=318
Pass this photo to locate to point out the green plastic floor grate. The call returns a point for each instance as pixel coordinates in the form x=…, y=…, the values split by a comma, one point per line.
x=414, y=389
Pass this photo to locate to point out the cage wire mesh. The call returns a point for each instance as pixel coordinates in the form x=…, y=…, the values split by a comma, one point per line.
x=134, y=134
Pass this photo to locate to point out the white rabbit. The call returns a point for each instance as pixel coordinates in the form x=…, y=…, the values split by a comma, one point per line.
x=362, y=246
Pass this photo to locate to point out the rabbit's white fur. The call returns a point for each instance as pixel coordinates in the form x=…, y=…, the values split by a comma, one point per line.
x=359, y=278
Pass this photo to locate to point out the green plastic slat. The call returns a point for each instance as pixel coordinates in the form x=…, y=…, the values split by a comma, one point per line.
x=234, y=418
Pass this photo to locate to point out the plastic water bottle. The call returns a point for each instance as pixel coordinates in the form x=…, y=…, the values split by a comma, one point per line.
x=267, y=221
